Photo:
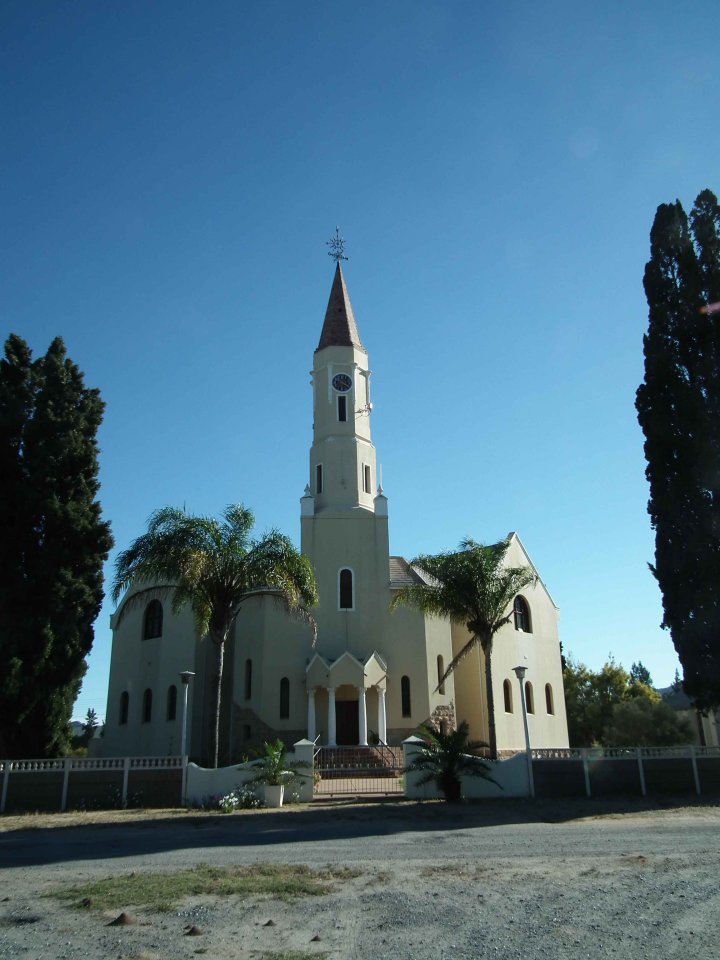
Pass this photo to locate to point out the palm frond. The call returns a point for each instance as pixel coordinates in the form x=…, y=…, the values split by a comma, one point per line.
x=157, y=591
x=473, y=642
x=470, y=586
x=446, y=757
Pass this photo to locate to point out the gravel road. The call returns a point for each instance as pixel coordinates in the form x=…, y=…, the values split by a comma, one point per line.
x=481, y=880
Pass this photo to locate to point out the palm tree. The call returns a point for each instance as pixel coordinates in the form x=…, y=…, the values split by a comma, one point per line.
x=212, y=566
x=471, y=586
x=446, y=758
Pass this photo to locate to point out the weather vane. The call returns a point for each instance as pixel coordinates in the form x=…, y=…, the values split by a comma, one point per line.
x=337, y=247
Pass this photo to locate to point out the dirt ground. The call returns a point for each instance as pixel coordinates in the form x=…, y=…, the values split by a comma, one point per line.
x=509, y=879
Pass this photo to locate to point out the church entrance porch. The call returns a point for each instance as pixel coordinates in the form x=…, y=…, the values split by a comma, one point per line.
x=354, y=771
x=348, y=697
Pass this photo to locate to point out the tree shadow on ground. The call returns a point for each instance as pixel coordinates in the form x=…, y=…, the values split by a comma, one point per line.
x=135, y=833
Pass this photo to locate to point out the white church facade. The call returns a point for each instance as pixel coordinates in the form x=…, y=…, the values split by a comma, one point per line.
x=372, y=676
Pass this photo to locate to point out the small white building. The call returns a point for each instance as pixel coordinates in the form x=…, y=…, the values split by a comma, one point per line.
x=373, y=675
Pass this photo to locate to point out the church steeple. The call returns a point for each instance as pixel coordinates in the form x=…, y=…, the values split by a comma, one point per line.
x=343, y=521
x=339, y=328
x=342, y=458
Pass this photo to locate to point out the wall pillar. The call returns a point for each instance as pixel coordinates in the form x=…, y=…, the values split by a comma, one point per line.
x=305, y=757
x=382, y=720
x=311, y=726
x=362, y=717
x=332, y=736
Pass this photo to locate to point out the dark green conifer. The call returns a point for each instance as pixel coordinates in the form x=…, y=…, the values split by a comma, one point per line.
x=53, y=543
x=679, y=411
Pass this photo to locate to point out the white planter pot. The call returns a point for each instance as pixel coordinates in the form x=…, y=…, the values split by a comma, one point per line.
x=274, y=795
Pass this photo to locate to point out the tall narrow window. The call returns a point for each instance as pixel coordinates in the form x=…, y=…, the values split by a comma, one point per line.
x=405, y=696
x=521, y=613
x=529, y=699
x=248, y=679
x=366, y=478
x=124, y=707
x=153, y=620
x=441, y=671
x=318, y=478
x=147, y=706
x=284, y=698
x=346, y=590
x=549, y=705
x=507, y=696
x=342, y=409
x=172, y=702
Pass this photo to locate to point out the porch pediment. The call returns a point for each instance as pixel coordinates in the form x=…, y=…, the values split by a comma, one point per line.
x=347, y=669
x=375, y=671
x=317, y=672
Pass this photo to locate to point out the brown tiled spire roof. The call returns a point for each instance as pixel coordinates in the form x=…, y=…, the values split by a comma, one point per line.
x=339, y=329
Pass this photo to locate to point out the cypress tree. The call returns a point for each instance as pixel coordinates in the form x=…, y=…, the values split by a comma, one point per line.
x=53, y=543
x=678, y=408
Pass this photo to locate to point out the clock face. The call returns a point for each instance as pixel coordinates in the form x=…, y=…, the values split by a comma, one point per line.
x=341, y=382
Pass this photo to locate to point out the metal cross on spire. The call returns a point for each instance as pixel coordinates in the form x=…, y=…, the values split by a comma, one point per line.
x=337, y=247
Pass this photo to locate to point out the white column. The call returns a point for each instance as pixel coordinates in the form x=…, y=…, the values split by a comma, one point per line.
x=362, y=716
x=382, y=720
x=331, y=717
x=311, y=734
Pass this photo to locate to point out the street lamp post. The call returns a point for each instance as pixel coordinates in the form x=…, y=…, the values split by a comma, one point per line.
x=520, y=674
x=186, y=676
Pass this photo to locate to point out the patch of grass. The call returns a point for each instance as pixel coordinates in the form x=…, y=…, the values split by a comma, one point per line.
x=162, y=891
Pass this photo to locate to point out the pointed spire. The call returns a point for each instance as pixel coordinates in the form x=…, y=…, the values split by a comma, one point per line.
x=339, y=329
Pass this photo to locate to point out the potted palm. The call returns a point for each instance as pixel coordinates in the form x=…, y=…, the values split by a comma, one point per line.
x=444, y=758
x=274, y=772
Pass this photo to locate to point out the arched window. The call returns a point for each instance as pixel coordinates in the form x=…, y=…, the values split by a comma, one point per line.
x=441, y=671
x=345, y=584
x=153, y=620
x=172, y=702
x=549, y=705
x=248, y=679
x=124, y=707
x=284, y=698
x=529, y=700
x=147, y=706
x=405, y=696
x=507, y=696
x=521, y=612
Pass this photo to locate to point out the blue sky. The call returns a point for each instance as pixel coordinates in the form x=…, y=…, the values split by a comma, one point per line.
x=172, y=172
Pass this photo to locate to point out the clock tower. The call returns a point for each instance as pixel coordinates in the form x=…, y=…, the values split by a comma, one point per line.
x=343, y=513
x=342, y=458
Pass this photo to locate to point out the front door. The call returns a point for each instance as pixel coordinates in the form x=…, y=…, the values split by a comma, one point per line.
x=347, y=724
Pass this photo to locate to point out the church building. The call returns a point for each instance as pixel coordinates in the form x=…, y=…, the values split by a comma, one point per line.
x=373, y=675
